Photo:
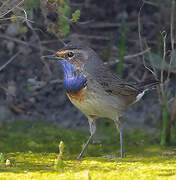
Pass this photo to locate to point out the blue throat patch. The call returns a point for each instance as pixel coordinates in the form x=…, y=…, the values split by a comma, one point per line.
x=72, y=82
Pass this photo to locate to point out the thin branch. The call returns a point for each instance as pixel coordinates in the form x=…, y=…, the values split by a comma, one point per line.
x=154, y=69
x=16, y=17
x=173, y=113
x=164, y=35
x=128, y=57
x=150, y=3
x=140, y=38
x=151, y=61
x=137, y=54
x=139, y=29
x=10, y=60
x=2, y=36
x=171, y=36
x=11, y=9
x=172, y=24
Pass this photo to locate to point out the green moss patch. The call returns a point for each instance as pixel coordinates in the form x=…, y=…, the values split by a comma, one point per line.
x=29, y=150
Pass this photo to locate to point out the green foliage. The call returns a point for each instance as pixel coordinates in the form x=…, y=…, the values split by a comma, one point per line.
x=122, y=49
x=59, y=163
x=30, y=88
x=2, y=157
x=13, y=18
x=31, y=4
x=23, y=29
x=165, y=133
x=165, y=122
x=76, y=15
x=63, y=9
x=64, y=21
x=160, y=42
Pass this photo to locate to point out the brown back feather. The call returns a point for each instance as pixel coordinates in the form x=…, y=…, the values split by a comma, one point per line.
x=115, y=86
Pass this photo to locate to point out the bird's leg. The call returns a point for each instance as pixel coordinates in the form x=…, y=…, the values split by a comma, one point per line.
x=92, y=125
x=119, y=128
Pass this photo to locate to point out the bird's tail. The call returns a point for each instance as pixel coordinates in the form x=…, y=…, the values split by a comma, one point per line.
x=146, y=85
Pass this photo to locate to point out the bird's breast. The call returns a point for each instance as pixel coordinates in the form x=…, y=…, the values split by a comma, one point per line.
x=93, y=102
x=78, y=97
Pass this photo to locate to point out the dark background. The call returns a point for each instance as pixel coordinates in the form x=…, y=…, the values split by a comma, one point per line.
x=31, y=88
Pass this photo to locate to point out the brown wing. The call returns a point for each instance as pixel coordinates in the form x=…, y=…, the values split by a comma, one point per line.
x=115, y=86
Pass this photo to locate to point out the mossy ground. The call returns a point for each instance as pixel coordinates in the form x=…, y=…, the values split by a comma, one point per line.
x=32, y=149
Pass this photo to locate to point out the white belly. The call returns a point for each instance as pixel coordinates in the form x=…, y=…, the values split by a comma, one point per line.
x=98, y=104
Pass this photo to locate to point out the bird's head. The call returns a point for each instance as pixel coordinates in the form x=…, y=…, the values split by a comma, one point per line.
x=75, y=61
x=80, y=57
x=78, y=62
x=70, y=55
x=77, y=57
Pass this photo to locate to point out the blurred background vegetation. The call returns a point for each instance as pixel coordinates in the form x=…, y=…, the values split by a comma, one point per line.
x=136, y=39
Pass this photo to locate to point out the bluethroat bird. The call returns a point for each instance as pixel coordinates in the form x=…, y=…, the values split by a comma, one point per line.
x=94, y=90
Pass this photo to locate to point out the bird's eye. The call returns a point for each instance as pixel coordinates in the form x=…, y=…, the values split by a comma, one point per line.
x=70, y=54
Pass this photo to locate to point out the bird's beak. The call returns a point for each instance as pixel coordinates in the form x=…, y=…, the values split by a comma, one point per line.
x=52, y=57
